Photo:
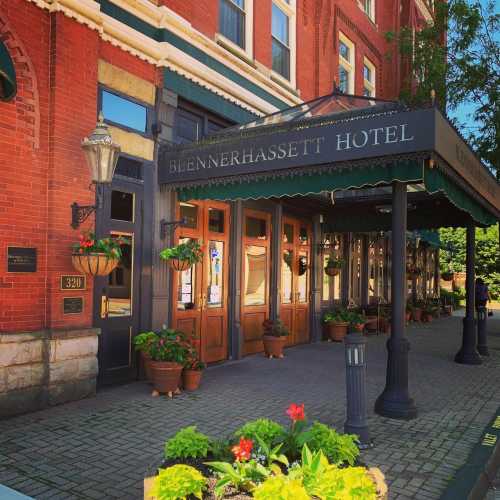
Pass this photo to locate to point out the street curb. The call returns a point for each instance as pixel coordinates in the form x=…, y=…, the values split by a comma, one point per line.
x=473, y=479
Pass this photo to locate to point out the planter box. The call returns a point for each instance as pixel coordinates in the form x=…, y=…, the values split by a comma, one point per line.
x=374, y=472
x=273, y=346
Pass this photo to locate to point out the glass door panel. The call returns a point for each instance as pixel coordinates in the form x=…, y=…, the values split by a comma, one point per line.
x=119, y=300
x=215, y=278
x=287, y=277
x=255, y=275
x=186, y=287
x=303, y=278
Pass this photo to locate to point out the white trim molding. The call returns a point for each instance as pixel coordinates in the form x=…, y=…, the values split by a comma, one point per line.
x=369, y=84
x=164, y=54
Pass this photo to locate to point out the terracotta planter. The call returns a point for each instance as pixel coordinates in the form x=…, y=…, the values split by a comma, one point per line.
x=179, y=265
x=371, y=323
x=416, y=314
x=273, y=346
x=332, y=271
x=191, y=379
x=146, y=360
x=166, y=376
x=408, y=316
x=427, y=317
x=94, y=264
x=337, y=331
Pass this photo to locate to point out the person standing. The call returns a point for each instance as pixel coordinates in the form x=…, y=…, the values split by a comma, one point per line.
x=482, y=293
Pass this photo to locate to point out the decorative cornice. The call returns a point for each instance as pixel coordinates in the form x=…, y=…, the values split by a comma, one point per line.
x=88, y=12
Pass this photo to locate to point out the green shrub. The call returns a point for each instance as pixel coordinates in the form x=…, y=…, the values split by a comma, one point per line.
x=220, y=449
x=187, y=443
x=349, y=482
x=178, y=483
x=280, y=488
x=269, y=431
x=338, y=448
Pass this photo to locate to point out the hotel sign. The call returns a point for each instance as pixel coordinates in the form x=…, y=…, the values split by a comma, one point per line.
x=372, y=137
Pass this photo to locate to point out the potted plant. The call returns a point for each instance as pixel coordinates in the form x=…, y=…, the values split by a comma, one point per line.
x=357, y=321
x=447, y=275
x=168, y=352
x=274, y=338
x=333, y=266
x=97, y=257
x=142, y=344
x=408, y=312
x=428, y=312
x=416, y=313
x=183, y=256
x=338, y=323
x=193, y=369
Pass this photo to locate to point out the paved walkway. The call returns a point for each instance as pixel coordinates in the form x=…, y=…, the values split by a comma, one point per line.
x=101, y=448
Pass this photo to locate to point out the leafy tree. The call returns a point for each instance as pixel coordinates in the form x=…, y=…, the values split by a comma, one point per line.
x=458, y=56
x=487, y=254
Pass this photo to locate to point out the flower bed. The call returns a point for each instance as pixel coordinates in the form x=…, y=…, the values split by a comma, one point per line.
x=264, y=460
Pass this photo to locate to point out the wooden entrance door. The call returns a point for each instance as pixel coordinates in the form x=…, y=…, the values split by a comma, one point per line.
x=200, y=293
x=295, y=279
x=255, y=278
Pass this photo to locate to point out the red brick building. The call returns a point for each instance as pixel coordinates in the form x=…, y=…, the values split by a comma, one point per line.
x=161, y=71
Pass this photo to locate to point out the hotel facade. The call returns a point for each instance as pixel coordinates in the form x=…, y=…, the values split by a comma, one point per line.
x=268, y=200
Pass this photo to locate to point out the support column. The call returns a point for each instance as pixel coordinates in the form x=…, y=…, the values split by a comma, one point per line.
x=468, y=355
x=395, y=401
x=274, y=290
x=316, y=276
x=234, y=296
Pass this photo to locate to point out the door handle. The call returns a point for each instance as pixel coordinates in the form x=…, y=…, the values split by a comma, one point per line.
x=104, y=306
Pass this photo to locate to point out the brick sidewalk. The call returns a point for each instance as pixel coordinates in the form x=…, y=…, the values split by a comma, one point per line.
x=101, y=448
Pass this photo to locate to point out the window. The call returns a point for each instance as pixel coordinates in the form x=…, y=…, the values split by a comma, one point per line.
x=281, y=42
x=124, y=112
x=369, y=8
x=346, y=65
x=232, y=20
x=368, y=79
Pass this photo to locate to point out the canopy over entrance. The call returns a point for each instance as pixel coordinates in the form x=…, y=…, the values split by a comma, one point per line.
x=8, y=85
x=337, y=143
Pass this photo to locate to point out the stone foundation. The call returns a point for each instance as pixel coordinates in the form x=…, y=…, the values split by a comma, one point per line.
x=45, y=368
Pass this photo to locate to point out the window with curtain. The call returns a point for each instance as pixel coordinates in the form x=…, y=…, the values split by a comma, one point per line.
x=280, y=30
x=232, y=21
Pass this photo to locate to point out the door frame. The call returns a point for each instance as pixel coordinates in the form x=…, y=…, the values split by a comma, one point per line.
x=256, y=345
x=296, y=247
x=200, y=313
x=105, y=226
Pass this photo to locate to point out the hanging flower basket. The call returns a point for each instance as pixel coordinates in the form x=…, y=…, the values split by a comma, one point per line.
x=183, y=256
x=179, y=265
x=447, y=276
x=333, y=267
x=97, y=257
x=94, y=264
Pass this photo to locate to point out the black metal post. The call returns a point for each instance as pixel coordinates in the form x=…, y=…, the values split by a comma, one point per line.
x=468, y=355
x=355, y=374
x=482, y=335
x=395, y=401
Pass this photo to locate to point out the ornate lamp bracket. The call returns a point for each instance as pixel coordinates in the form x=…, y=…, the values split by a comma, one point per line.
x=172, y=225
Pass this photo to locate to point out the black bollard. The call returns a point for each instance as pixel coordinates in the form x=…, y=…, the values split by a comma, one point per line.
x=355, y=359
x=482, y=335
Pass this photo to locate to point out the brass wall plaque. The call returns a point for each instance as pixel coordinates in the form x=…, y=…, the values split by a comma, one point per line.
x=72, y=305
x=73, y=282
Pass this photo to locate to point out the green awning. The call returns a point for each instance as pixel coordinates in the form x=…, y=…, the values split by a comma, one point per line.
x=429, y=236
x=8, y=85
x=275, y=187
x=435, y=181
x=341, y=179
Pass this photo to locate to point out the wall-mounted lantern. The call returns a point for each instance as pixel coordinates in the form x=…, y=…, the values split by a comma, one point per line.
x=102, y=155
